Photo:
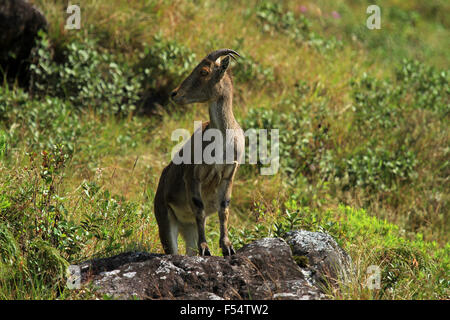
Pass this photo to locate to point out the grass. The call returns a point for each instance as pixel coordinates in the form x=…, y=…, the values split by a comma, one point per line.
x=363, y=120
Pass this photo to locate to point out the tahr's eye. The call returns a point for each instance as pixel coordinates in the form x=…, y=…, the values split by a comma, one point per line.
x=204, y=72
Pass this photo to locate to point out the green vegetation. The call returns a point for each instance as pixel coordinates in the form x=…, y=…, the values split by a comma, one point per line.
x=363, y=117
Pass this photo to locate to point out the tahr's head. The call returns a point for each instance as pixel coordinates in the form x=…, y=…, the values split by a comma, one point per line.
x=208, y=80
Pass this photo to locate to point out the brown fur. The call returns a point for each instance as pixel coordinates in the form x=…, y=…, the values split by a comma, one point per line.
x=188, y=193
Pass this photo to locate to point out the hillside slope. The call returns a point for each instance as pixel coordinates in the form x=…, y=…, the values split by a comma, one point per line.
x=363, y=118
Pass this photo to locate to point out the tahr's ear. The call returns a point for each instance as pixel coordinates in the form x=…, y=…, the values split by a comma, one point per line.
x=224, y=63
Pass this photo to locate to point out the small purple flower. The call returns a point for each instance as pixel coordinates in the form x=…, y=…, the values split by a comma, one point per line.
x=336, y=15
x=303, y=9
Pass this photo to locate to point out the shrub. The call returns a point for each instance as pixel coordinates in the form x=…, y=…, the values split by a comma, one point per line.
x=164, y=63
x=38, y=124
x=107, y=219
x=87, y=78
x=376, y=169
x=303, y=138
x=376, y=104
x=38, y=234
x=249, y=70
x=381, y=103
x=273, y=18
x=3, y=144
x=424, y=87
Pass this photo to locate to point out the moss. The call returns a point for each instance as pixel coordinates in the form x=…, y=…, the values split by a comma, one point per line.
x=302, y=261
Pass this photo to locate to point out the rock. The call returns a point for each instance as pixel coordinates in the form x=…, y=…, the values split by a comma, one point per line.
x=263, y=269
x=270, y=268
x=319, y=256
x=19, y=25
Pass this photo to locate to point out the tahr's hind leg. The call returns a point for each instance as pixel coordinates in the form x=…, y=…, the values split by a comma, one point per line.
x=189, y=233
x=168, y=229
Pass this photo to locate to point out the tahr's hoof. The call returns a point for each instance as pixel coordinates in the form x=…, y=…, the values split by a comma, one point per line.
x=204, y=250
x=228, y=251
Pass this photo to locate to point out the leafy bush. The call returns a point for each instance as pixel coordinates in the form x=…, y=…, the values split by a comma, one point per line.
x=383, y=116
x=307, y=144
x=303, y=138
x=249, y=70
x=38, y=124
x=3, y=144
x=87, y=78
x=273, y=18
x=108, y=219
x=380, y=103
x=164, y=63
x=38, y=233
x=377, y=169
x=424, y=87
x=376, y=104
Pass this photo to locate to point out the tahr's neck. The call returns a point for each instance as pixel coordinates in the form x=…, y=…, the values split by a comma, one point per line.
x=221, y=112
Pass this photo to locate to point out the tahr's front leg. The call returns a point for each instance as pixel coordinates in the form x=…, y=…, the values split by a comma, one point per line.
x=202, y=245
x=224, y=203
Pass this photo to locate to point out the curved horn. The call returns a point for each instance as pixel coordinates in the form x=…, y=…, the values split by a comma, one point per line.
x=213, y=56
